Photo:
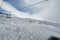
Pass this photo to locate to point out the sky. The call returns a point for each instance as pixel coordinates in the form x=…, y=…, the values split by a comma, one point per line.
x=47, y=11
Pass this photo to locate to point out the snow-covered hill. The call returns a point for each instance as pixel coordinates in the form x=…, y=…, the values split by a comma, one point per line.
x=14, y=28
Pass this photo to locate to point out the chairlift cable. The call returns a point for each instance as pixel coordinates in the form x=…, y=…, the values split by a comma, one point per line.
x=34, y=4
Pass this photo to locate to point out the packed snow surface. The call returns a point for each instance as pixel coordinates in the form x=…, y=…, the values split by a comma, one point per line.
x=14, y=28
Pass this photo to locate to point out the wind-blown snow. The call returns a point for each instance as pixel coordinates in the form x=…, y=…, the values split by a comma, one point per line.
x=6, y=6
x=15, y=28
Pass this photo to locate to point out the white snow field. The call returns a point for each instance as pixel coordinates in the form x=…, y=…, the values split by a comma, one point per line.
x=14, y=28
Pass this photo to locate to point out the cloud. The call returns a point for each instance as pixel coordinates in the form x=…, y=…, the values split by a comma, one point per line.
x=49, y=13
x=8, y=7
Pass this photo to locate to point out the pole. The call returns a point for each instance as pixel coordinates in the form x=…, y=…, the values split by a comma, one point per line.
x=1, y=4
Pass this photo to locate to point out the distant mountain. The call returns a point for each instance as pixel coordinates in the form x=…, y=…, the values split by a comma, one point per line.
x=14, y=28
x=45, y=11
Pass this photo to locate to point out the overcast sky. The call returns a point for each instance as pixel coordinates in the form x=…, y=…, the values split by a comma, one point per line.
x=49, y=10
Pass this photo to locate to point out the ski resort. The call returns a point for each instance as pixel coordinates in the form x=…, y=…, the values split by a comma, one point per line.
x=29, y=20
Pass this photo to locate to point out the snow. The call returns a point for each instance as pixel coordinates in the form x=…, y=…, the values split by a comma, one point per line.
x=15, y=28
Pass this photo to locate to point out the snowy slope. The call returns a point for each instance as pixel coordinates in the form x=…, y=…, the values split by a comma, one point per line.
x=14, y=28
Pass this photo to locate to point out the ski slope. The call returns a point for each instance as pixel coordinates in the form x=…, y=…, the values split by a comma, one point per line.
x=14, y=28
